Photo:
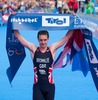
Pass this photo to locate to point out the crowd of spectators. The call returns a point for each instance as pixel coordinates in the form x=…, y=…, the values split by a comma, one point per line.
x=30, y=6
x=46, y=6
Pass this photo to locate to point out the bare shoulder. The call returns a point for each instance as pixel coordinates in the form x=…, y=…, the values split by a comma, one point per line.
x=52, y=47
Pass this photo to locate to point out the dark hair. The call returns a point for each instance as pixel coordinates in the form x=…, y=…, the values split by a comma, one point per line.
x=43, y=32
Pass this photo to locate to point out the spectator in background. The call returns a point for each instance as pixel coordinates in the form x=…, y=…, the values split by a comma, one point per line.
x=1, y=9
x=55, y=4
x=59, y=5
x=42, y=3
x=82, y=6
x=22, y=6
x=5, y=8
x=60, y=10
x=89, y=7
x=52, y=5
x=73, y=4
x=65, y=7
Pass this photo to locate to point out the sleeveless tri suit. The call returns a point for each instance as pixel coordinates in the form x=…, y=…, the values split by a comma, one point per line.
x=43, y=82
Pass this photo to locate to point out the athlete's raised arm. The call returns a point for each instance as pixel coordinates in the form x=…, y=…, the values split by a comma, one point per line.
x=24, y=42
x=58, y=44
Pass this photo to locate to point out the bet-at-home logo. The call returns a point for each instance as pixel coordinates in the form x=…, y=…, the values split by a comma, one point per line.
x=55, y=21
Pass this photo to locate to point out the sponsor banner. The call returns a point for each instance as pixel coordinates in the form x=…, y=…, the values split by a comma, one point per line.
x=45, y=21
x=92, y=54
x=57, y=21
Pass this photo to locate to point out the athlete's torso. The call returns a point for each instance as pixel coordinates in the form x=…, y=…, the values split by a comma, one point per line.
x=43, y=66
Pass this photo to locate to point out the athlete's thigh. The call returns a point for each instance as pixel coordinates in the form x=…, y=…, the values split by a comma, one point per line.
x=51, y=93
x=37, y=95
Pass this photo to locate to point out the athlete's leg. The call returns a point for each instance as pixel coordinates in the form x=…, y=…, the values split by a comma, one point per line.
x=51, y=92
x=37, y=95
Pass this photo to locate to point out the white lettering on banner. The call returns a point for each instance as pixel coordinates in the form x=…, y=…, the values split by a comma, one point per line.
x=13, y=40
x=22, y=20
x=77, y=21
x=55, y=21
x=10, y=52
x=96, y=70
x=90, y=51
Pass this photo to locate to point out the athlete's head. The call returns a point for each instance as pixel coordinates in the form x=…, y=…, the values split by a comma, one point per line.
x=43, y=37
x=43, y=32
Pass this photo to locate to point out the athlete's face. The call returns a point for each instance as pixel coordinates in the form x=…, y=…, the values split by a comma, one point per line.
x=43, y=40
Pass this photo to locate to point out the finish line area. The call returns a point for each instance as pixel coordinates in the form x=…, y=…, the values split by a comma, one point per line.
x=69, y=85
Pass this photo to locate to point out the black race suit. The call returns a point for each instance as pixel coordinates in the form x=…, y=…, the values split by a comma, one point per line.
x=43, y=88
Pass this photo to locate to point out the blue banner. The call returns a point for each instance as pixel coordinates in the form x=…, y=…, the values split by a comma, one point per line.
x=15, y=52
x=92, y=53
x=45, y=21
